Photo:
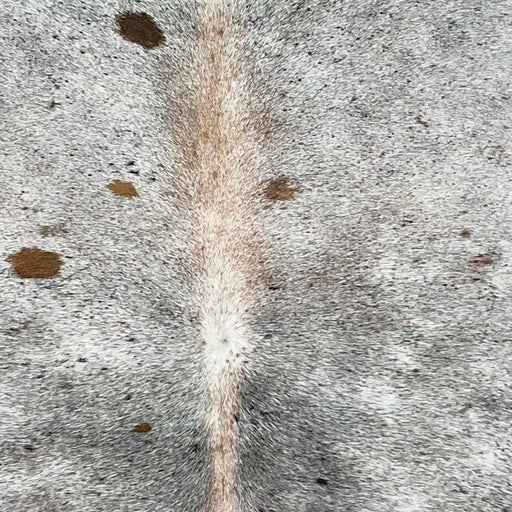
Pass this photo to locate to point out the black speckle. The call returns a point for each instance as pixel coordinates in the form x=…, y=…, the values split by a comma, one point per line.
x=321, y=481
x=421, y=121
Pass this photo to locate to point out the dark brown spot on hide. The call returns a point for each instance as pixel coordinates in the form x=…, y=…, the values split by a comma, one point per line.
x=34, y=263
x=123, y=188
x=140, y=28
x=142, y=428
x=54, y=230
x=480, y=259
x=279, y=189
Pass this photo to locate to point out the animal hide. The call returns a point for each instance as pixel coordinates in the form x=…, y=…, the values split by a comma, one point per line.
x=255, y=256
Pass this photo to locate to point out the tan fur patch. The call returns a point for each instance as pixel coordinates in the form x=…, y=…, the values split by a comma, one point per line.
x=219, y=150
x=215, y=182
x=222, y=442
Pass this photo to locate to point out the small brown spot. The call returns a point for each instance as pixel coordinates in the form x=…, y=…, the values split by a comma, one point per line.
x=280, y=190
x=142, y=428
x=55, y=230
x=140, y=28
x=421, y=121
x=465, y=233
x=35, y=263
x=123, y=188
x=480, y=259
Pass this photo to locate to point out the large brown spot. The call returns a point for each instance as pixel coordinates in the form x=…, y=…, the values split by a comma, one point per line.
x=140, y=28
x=123, y=188
x=480, y=259
x=142, y=428
x=279, y=189
x=35, y=263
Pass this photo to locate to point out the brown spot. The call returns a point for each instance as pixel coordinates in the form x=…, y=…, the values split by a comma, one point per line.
x=35, y=263
x=123, y=188
x=140, y=28
x=55, y=230
x=465, y=233
x=280, y=190
x=480, y=259
x=421, y=121
x=142, y=428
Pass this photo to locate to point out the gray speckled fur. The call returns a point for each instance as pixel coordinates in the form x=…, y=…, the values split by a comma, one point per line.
x=383, y=359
